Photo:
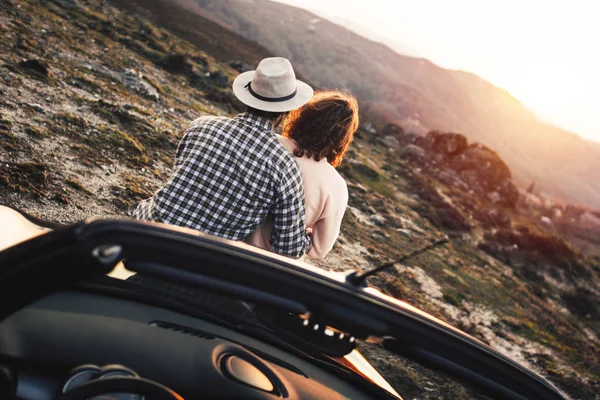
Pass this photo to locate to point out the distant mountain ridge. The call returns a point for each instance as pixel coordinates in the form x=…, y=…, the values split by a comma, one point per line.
x=418, y=94
x=396, y=46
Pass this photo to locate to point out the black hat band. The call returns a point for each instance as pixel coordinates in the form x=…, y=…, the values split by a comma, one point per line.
x=270, y=99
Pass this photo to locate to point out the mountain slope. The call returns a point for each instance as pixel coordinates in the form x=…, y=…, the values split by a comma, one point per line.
x=405, y=89
x=203, y=32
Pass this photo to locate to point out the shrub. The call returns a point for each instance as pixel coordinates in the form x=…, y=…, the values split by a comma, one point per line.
x=583, y=303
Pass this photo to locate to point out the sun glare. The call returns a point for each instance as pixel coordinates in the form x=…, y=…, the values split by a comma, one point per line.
x=545, y=86
x=561, y=91
x=543, y=52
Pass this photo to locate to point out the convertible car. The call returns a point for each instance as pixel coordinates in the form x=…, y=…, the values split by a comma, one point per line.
x=112, y=309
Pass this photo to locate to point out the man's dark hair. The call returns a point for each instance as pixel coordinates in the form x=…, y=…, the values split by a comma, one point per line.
x=265, y=114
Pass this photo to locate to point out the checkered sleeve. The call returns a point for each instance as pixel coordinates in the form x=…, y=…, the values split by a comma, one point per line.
x=144, y=210
x=289, y=237
x=185, y=142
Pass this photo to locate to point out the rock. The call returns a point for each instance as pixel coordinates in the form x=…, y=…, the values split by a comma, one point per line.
x=509, y=194
x=360, y=216
x=583, y=302
x=531, y=200
x=367, y=209
x=586, y=225
x=176, y=63
x=219, y=79
x=436, y=158
x=572, y=211
x=492, y=218
x=129, y=78
x=451, y=218
x=451, y=178
x=37, y=107
x=546, y=222
x=370, y=128
x=68, y=4
x=405, y=232
x=378, y=237
x=357, y=187
x=479, y=169
x=494, y=197
x=5, y=125
x=422, y=142
x=241, y=66
x=378, y=220
x=556, y=213
x=199, y=81
x=447, y=144
x=413, y=153
x=6, y=7
x=590, y=222
x=409, y=224
x=390, y=141
x=392, y=130
x=490, y=169
x=35, y=67
x=408, y=138
x=133, y=80
x=474, y=182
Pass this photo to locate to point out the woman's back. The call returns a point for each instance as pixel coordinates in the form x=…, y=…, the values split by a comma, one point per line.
x=326, y=198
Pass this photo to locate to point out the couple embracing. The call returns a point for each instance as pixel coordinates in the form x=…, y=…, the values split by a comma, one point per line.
x=237, y=179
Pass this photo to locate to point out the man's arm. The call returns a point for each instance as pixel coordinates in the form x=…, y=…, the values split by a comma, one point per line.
x=289, y=237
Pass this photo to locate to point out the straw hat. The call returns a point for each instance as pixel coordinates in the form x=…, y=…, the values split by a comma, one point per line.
x=272, y=87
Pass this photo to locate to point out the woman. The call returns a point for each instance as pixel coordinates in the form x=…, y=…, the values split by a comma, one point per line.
x=318, y=134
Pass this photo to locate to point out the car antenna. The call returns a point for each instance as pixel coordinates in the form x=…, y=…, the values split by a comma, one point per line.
x=358, y=279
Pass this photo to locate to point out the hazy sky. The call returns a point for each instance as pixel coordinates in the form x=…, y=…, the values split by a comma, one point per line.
x=546, y=53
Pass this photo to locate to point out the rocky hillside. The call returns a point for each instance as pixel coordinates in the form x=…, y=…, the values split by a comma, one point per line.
x=94, y=101
x=418, y=95
x=93, y=104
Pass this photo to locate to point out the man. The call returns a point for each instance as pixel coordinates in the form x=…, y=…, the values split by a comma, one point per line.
x=230, y=173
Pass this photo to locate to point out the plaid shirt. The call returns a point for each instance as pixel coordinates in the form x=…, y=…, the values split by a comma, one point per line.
x=229, y=175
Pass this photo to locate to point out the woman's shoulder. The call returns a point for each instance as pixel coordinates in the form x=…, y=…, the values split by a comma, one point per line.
x=338, y=179
x=289, y=144
x=330, y=178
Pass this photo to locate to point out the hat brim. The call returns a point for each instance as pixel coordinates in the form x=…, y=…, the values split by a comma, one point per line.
x=303, y=94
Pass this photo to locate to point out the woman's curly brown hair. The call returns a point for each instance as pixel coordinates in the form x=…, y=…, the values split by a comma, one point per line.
x=324, y=127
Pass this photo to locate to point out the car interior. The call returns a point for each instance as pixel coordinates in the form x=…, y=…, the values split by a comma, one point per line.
x=203, y=318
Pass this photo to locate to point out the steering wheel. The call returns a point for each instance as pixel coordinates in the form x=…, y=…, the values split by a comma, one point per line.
x=121, y=384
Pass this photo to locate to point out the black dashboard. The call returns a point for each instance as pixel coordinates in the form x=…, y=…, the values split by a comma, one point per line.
x=198, y=359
